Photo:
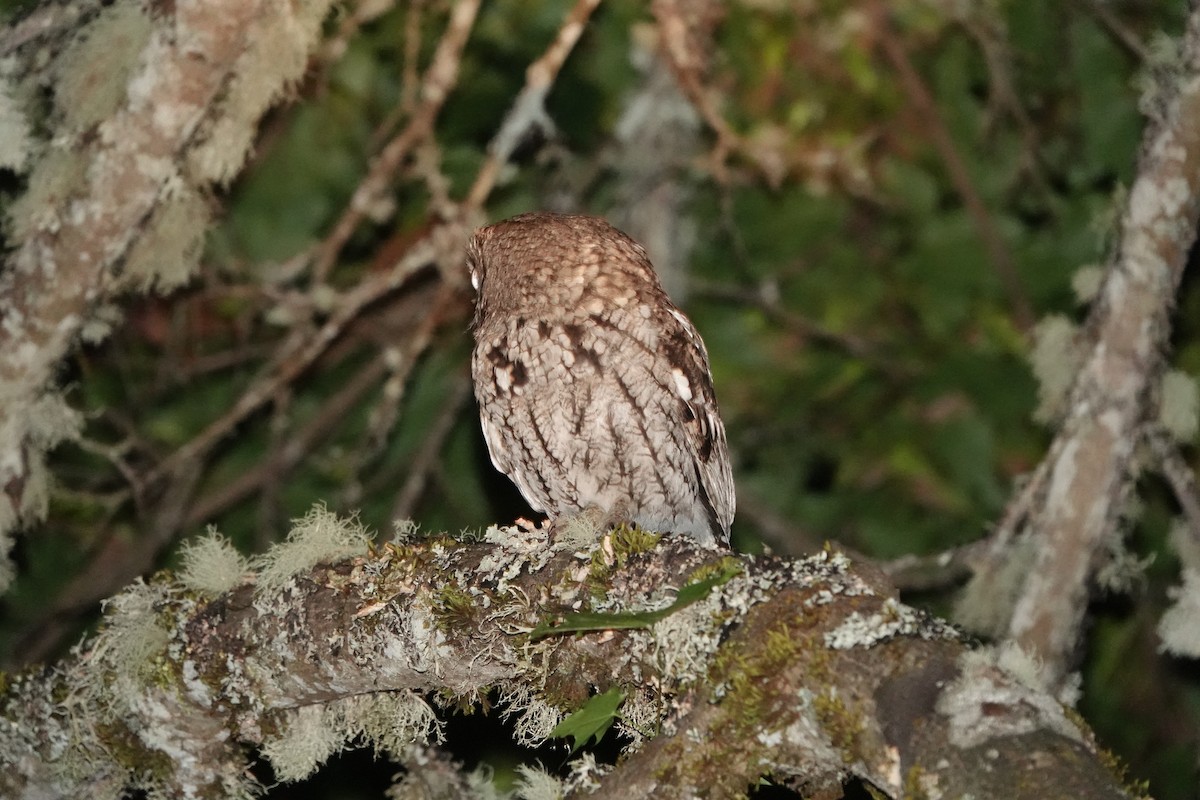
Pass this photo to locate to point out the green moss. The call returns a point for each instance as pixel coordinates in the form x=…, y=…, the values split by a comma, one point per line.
x=744, y=676
x=623, y=541
x=454, y=609
x=1120, y=771
x=724, y=566
x=124, y=748
x=843, y=726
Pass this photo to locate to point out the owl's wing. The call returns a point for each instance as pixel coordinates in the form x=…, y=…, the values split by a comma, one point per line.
x=705, y=433
x=495, y=375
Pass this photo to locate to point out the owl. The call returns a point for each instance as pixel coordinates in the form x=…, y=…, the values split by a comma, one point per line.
x=594, y=390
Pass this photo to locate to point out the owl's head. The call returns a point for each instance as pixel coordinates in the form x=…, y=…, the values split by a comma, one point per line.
x=537, y=262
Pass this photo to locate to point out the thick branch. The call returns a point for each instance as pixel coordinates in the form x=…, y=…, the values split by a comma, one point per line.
x=801, y=670
x=1089, y=460
x=121, y=184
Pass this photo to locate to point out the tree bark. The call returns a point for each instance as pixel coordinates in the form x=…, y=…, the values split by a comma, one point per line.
x=807, y=672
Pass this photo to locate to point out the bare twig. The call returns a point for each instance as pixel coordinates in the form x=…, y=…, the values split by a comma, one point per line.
x=681, y=54
x=1178, y=474
x=782, y=535
x=401, y=360
x=931, y=119
x=984, y=24
x=1119, y=31
x=439, y=80
x=766, y=300
x=924, y=573
x=298, y=444
x=299, y=357
x=428, y=455
x=528, y=109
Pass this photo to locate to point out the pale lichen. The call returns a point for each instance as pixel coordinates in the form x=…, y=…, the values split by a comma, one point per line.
x=1179, y=408
x=891, y=620
x=986, y=702
x=1179, y=628
x=210, y=564
x=165, y=255
x=266, y=71
x=16, y=136
x=1086, y=283
x=535, y=718
x=93, y=72
x=986, y=604
x=307, y=738
x=534, y=783
x=319, y=537
x=1055, y=359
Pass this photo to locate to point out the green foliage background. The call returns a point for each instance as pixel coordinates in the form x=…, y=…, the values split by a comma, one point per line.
x=870, y=361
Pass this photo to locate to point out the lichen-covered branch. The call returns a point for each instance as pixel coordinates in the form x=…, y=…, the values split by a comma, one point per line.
x=1077, y=513
x=150, y=109
x=807, y=672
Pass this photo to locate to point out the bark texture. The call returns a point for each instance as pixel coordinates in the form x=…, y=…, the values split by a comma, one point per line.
x=807, y=672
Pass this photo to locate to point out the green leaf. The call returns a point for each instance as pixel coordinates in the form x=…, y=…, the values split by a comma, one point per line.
x=590, y=723
x=626, y=620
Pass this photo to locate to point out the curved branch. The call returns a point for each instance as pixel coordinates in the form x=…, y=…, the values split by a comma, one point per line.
x=806, y=671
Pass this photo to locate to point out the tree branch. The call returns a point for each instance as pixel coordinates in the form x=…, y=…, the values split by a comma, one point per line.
x=806, y=671
x=1089, y=461
x=122, y=183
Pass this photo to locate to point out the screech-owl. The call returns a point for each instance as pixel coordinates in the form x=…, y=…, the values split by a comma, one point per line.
x=594, y=390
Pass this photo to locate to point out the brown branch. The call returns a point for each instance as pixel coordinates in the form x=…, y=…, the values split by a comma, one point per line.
x=1090, y=458
x=1179, y=475
x=67, y=264
x=182, y=120
x=435, y=88
x=931, y=120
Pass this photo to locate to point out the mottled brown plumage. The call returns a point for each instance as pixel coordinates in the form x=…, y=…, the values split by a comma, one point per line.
x=594, y=389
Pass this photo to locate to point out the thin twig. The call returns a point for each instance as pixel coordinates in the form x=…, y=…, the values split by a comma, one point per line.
x=431, y=448
x=1178, y=474
x=678, y=48
x=439, y=81
x=400, y=364
x=297, y=358
x=766, y=301
x=1129, y=41
x=528, y=109
x=299, y=444
x=925, y=573
x=931, y=119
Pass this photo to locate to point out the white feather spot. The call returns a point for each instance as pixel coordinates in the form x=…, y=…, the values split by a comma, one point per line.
x=681, y=384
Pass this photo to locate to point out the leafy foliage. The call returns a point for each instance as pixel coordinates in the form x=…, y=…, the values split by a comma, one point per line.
x=590, y=723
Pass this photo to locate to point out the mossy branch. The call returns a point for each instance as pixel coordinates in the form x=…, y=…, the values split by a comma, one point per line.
x=804, y=671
